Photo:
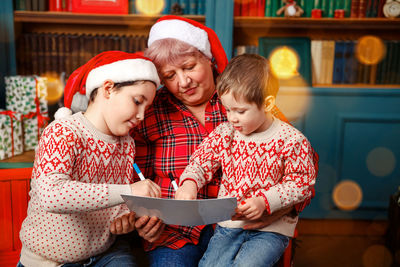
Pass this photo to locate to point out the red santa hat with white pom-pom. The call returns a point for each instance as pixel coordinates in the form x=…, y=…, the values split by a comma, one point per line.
x=193, y=33
x=116, y=66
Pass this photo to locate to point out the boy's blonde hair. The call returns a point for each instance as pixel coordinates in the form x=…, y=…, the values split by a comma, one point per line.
x=248, y=76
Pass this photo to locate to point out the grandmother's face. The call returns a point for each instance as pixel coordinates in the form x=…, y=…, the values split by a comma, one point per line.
x=191, y=80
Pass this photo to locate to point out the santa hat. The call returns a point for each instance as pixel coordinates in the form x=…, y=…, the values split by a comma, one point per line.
x=193, y=33
x=116, y=66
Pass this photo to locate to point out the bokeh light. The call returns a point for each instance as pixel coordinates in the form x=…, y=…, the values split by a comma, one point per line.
x=150, y=7
x=381, y=161
x=55, y=88
x=284, y=62
x=347, y=195
x=377, y=256
x=293, y=104
x=370, y=50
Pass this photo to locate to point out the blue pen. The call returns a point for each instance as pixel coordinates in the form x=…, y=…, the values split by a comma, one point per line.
x=141, y=176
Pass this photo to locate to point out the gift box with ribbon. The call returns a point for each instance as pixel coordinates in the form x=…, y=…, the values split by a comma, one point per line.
x=26, y=94
x=33, y=125
x=11, y=134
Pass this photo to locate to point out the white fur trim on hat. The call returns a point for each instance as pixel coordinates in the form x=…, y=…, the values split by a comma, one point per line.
x=122, y=71
x=182, y=31
x=62, y=113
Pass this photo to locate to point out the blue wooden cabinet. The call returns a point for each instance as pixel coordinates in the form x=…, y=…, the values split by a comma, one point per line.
x=356, y=133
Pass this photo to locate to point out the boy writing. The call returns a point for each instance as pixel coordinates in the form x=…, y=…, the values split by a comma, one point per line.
x=84, y=162
x=267, y=165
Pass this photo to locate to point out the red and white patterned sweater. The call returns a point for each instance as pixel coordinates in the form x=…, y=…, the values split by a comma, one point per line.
x=276, y=164
x=78, y=176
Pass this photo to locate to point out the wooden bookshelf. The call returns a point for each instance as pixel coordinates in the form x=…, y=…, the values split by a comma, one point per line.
x=247, y=30
x=67, y=22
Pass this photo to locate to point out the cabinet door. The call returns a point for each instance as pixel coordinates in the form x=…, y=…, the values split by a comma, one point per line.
x=14, y=189
x=356, y=134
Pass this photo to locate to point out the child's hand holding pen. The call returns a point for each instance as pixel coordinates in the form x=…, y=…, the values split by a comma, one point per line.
x=187, y=191
x=145, y=187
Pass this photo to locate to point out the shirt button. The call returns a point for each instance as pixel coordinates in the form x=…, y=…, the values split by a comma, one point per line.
x=208, y=119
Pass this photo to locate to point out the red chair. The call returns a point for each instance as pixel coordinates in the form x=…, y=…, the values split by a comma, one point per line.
x=14, y=189
x=287, y=258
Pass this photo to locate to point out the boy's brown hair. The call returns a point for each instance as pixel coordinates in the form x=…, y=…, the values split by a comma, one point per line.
x=248, y=76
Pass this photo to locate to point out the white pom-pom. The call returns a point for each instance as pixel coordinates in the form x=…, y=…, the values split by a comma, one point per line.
x=62, y=113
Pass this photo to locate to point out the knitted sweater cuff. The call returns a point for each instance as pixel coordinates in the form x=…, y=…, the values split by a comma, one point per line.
x=115, y=191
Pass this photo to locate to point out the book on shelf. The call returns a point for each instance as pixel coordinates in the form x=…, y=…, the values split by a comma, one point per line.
x=362, y=8
x=132, y=7
x=41, y=53
x=301, y=46
x=237, y=9
x=193, y=7
x=328, y=52
x=20, y=5
x=347, y=7
x=307, y=6
x=338, y=63
x=260, y=8
x=350, y=62
x=354, y=8
x=253, y=8
x=244, y=8
x=393, y=65
x=316, y=61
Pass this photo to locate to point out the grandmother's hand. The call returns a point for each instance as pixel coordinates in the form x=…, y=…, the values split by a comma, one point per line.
x=148, y=228
x=124, y=224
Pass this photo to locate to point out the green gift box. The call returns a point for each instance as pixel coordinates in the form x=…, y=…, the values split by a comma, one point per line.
x=26, y=94
x=33, y=126
x=11, y=134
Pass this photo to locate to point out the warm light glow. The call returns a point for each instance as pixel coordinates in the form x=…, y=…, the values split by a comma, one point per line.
x=284, y=62
x=381, y=161
x=150, y=7
x=377, y=255
x=347, y=195
x=370, y=50
x=55, y=88
x=293, y=98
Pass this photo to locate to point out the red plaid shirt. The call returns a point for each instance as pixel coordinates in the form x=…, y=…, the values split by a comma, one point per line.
x=164, y=143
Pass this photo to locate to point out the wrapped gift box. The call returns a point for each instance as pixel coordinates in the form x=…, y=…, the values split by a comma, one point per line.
x=11, y=134
x=26, y=94
x=33, y=126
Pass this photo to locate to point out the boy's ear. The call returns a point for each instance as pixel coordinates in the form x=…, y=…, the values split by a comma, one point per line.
x=107, y=87
x=269, y=103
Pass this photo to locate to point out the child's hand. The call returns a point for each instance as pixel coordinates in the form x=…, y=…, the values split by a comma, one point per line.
x=188, y=190
x=251, y=209
x=124, y=224
x=146, y=188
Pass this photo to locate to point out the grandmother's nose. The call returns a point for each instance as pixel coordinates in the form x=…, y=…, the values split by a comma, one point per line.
x=184, y=80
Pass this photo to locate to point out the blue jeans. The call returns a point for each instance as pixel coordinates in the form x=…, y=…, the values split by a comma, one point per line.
x=238, y=247
x=118, y=255
x=187, y=256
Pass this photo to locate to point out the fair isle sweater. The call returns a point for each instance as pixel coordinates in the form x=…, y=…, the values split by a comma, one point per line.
x=276, y=164
x=78, y=176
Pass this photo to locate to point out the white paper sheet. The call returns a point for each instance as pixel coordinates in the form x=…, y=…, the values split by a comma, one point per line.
x=183, y=212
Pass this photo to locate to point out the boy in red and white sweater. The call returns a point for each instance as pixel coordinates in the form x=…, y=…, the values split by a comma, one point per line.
x=83, y=164
x=267, y=165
